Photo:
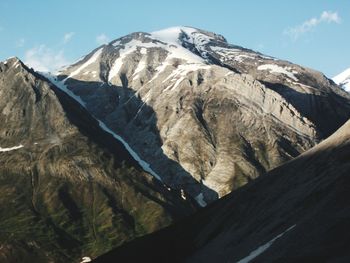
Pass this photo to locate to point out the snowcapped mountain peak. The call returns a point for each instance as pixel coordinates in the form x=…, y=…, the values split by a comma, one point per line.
x=172, y=34
x=190, y=38
x=178, y=34
x=166, y=43
x=172, y=54
x=156, y=88
x=343, y=79
x=186, y=43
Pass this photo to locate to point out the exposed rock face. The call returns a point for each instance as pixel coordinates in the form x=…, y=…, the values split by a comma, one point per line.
x=205, y=114
x=298, y=212
x=68, y=189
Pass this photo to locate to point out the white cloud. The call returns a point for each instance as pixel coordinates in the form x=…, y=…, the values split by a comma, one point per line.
x=102, y=39
x=326, y=17
x=67, y=37
x=43, y=58
x=20, y=42
x=329, y=16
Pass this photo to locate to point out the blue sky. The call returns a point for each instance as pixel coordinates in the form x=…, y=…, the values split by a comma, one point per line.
x=48, y=34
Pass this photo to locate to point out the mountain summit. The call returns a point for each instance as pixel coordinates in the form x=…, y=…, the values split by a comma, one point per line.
x=191, y=105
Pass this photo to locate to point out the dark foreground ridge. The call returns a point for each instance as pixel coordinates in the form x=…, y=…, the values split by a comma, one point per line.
x=298, y=212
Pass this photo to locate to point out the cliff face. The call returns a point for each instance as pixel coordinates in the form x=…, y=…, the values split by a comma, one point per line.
x=207, y=115
x=68, y=188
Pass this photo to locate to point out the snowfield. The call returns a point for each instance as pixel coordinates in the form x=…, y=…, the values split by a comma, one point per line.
x=343, y=79
x=262, y=248
x=11, y=148
x=277, y=69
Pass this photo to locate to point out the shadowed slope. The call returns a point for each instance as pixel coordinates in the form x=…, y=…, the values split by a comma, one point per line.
x=68, y=188
x=298, y=212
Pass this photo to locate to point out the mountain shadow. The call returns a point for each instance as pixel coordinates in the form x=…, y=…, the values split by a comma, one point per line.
x=122, y=106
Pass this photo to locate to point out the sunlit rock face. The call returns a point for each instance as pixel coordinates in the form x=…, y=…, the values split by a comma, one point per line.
x=207, y=115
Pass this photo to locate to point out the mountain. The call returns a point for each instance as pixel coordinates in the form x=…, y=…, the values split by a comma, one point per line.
x=343, y=79
x=68, y=188
x=206, y=115
x=298, y=212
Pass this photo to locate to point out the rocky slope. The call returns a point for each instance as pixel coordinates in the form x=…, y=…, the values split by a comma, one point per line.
x=343, y=79
x=68, y=188
x=298, y=212
x=207, y=115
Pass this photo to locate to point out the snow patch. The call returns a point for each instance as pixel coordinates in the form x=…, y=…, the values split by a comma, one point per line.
x=171, y=35
x=267, y=57
x=93, y=58
x=143, y=51
x=183, y=196
x=343, y=79
x=232, y=54
x=63, y=87
x=171, y=39
x=119, y=61
x=342, y=76
x=200, y=200
x=137, y=158
x=179, y=74
x=225, y=51
x=277, y=69
x=262, y=248
x=346, y=85
x=160, y=69
x=129, y=48
x=142, y=64
x=167, y=39
x=146, y=166
x=85, y=260
x=241, y=58
x=11, y=148
x=116, y=43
